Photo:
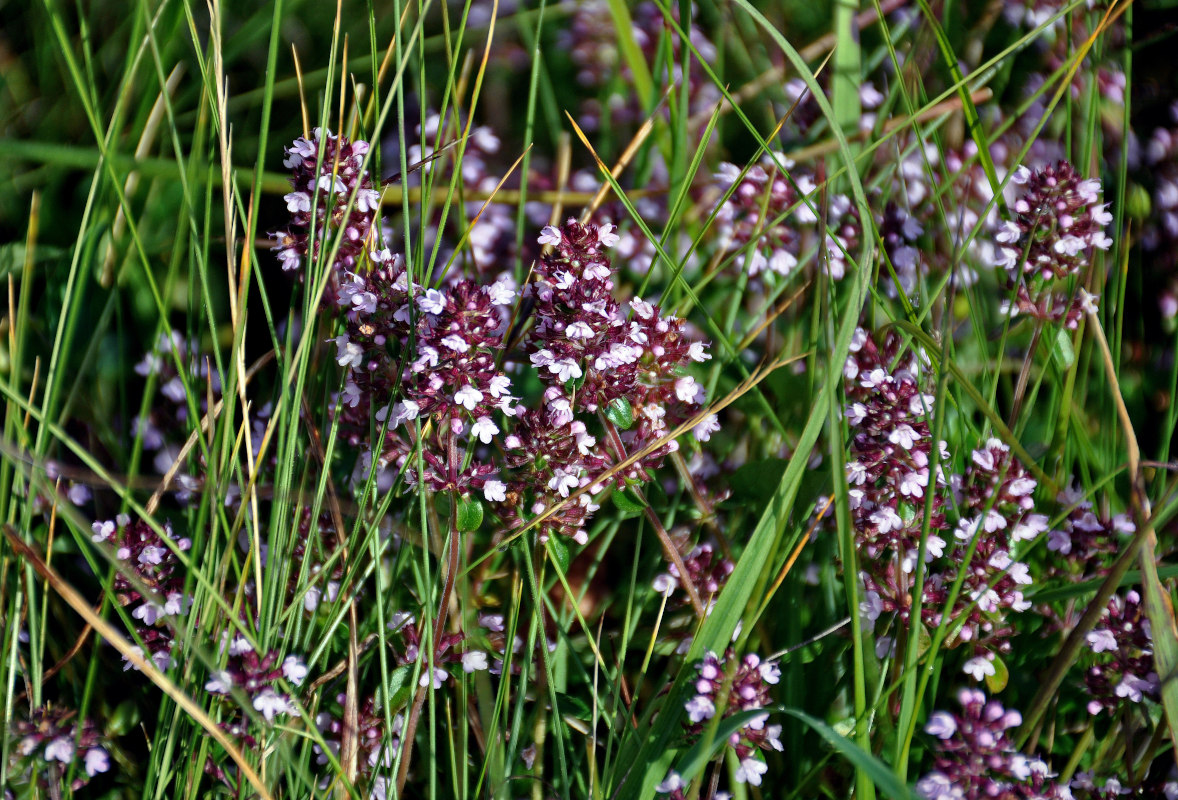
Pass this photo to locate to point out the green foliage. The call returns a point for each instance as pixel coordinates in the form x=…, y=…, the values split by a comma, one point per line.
x=149, y=326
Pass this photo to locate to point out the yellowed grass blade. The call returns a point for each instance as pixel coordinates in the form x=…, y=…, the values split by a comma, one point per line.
x=131, y=653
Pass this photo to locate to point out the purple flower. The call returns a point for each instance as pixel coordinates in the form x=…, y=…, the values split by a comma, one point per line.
x=294, y=669
x=270, y=704
x=749, y=691
x=257, y=678
x=484, y=428
x=96, y=760
x=495, y=491
x=975, y=757
x=1125, y=668
x=327, y=170
x=54, y=734
x=1057, y=221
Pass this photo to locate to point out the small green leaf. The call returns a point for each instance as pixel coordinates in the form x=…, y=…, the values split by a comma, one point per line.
x=470, y=514
x=1062, y=350
x=620, y=413
x=399, y=689
x=997, y=682
x=628, y=501
x=558, y=549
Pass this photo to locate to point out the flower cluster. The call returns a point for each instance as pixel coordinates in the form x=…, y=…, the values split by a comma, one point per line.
x=595, y=359
x=581, y=339
x=51, y=735
x=756, y=221
x=446, y=651
x=663, y=395
x=889, y=472
x=976, y=757
x=375, y=753
x=996, y=515
x=332, y=188
x=707, y=570
x=1087, y=539
x=1124, y=646
x=553, y=455
x=1057, y=221
x=150, y=578
x=377, y=316
x=770, y=221
x=578, y=323
x=454, y=377
x=749, y=691
x=456, y=381
x=588, y=352
x=256, y=677
x=591, y=42
x=888, y=468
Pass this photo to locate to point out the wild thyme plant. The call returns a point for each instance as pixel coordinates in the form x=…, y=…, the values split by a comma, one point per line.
x=589, y=400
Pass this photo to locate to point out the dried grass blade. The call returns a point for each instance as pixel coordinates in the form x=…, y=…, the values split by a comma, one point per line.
x=131, y=653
